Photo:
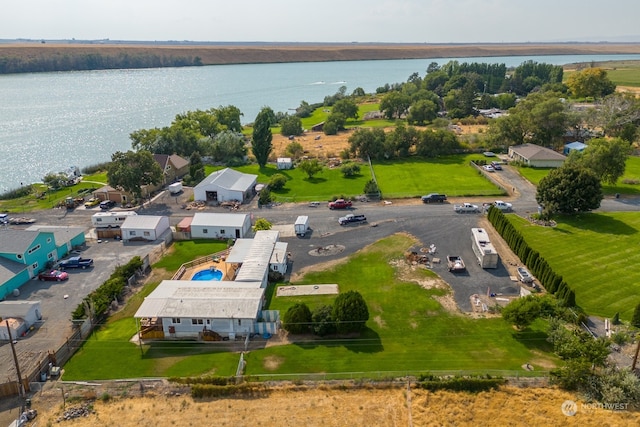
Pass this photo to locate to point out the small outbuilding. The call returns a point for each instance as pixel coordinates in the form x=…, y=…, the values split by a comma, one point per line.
x=20, y=315
x=284, y=163
x=144, y=227
x=573, y=146
x=205, y=225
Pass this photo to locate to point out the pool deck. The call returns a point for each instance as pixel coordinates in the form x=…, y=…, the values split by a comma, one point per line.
x=228, y=271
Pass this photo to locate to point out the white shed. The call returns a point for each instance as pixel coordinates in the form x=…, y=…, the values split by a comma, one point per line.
x=284, y=163
x=225, y=185
x=21, y=316
x=144, y=227
x=220, y=225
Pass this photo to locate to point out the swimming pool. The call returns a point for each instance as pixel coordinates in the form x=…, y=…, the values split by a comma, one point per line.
x=208, y=274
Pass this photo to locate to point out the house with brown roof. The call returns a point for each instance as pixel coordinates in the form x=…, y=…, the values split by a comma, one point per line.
x=173, y=167
x=536, y=156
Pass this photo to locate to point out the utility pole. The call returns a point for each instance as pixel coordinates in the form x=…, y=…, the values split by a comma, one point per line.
x=635, y=357
x=15, y=359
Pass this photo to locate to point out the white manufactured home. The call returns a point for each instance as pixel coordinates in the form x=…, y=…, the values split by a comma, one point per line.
x=144, y=228
x=110, y=219
x=483, y=249
x=220, y=226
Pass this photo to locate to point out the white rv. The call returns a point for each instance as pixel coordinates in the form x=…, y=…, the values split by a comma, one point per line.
x=483, y=249
x=110, y=219
x=301, y=225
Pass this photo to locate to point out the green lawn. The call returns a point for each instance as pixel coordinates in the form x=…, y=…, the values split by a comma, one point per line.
x=627, y=76
x=632, y=173
x=408, y=331
x=412, y=177
x=596, y=254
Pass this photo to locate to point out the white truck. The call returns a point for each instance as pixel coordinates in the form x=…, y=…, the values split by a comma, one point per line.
x=503, y=206
x=175, y=188
x=466, y=208
x=301, y=225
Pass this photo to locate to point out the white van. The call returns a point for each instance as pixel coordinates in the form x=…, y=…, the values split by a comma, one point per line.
x=4, y=218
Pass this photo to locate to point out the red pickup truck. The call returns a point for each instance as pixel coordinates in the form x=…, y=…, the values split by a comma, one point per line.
x=340, y=204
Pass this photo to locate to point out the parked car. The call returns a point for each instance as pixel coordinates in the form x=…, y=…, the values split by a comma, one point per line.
x=340, y=204
x=434, y=198
x=489, y=168
x=107, y=204
x=76, y=262
x=496, y=166
x=53, y=276
x=91, y=202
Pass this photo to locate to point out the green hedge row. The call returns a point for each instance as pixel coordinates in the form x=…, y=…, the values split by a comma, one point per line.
x=552, y=282
x=101, y=298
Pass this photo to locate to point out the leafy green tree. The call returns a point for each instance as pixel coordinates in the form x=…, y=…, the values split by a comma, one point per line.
x=294, y=150
x=229, y=116
x=350, y=169
x=264, y=198
x=297, y=319
x=311, y=167
x=371, y=189
x=261, y=145
x=460, y=102
x=334, y=123
x=358, y=92
x=55, y=180
x=261, y=224
x=347, y=107
x=422, y=111
x=145, y=139
x=607, y=158
x=304, y=110
x=277, y=181
x=204, y=123
x=616, y=319
x=272, y=117
x=522, y=311
x=196, y=168
x=229, y=147
x=395, y=105
x=291, y=125
x=132, y=170
x=590, y=82
x=569, y=189
x=368, y=142
x=635, y=319
x=350, y=312
x=322, y=321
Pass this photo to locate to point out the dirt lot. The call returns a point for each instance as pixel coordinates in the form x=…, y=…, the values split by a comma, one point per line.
x=330, y=405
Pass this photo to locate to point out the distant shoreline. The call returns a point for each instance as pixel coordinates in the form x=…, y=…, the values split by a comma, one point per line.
x=64, y=55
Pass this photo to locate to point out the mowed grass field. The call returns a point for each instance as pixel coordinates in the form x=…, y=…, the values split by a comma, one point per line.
x=408, y=331
x=413, y=177
x=597, y=254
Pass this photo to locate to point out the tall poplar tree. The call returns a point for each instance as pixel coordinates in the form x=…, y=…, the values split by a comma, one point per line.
x=261, y=141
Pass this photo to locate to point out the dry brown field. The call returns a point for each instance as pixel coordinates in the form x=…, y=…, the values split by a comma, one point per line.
x=325, y=405
x=213, y=54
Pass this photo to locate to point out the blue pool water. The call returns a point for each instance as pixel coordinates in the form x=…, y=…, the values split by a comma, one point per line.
x=208, y=275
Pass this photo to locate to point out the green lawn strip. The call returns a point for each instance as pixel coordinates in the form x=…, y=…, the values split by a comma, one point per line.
x=188, y=250
x=595, y=254
x=108, y=354
x=451, y=175
x=627, y=76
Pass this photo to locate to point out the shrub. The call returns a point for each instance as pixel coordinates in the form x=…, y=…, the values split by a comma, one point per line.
x=278, y=181
x=350, y=169
x=297, y=319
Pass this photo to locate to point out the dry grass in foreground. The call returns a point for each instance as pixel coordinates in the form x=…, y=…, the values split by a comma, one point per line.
x=328, y=406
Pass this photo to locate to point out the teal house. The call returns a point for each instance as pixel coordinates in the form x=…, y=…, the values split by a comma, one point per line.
x=25, y=253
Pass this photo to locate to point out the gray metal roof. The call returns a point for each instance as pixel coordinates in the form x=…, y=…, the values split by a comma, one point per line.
x=16, y=308
x=61, y=234
x=9, y=268
x=239, y=251
x=229, y=179
x=16, y=241
x=279, y=254
x=141, y=222
x=197, y=299
x=203, y=219
x=256, y=263
x=536, y=152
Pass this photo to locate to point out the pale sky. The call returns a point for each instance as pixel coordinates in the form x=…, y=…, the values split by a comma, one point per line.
x=390, y=21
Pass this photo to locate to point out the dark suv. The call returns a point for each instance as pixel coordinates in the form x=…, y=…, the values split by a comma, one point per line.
x=107, y=204
x=434, y=198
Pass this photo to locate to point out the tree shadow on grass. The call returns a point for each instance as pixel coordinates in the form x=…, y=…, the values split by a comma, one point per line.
x=533, y=340
x=315, y=180
x=601, y=224
x=367, y=341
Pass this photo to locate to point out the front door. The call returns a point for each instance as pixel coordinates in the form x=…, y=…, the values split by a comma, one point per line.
x=237, y=233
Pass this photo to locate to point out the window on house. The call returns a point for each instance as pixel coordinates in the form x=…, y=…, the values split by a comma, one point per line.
x=175, y=320
x=197, y=322
x=49, y=240
x=205, y=231
x=208, y=321
x=239, y=321
x=146, y=233
x=50, y=256
x=33, y=249
x=132, y=233
x=221, y=231
x=34, y=265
